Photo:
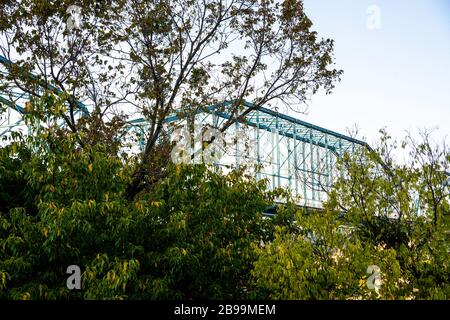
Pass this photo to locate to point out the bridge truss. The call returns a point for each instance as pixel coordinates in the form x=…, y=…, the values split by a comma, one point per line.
x=288, y=152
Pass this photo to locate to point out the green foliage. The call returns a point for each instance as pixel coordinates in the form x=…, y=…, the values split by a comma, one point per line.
x=210, y=222
x=200, y=233
x=14, y=191
x=140, y=228
x=379, y=213
x=156, y=58
x=190, y=237
x=322, y=260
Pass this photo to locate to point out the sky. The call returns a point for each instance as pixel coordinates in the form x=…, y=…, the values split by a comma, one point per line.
x=396, y=60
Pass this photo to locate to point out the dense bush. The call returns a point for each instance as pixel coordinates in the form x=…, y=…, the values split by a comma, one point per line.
x=191, y=236
x=200, y=233
x=380, y=216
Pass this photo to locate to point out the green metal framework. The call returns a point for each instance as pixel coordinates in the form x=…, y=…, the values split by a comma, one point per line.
x=289, y=152
x=15, y=99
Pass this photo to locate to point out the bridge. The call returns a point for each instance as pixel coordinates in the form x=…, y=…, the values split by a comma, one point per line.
x=288, y=152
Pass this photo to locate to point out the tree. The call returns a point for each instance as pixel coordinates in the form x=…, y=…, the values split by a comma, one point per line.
x=200, y=233
x=167, y=56
x=381, y=214
x=190, y=237
x=47, y=53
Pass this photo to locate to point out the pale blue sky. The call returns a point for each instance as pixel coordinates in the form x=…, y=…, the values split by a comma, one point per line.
x=396, y=77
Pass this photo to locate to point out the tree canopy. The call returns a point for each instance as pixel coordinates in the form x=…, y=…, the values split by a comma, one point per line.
x=159, y=57
x=200, y=233
x=141, y=227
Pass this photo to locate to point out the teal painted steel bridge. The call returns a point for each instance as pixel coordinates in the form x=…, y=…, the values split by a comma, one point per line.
x=288, y=152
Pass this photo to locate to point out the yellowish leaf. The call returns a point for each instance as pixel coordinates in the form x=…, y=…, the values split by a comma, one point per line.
x=156, y=204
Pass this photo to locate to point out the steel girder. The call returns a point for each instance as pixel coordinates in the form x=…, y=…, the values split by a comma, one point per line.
x=15, y=99
x=288, y=152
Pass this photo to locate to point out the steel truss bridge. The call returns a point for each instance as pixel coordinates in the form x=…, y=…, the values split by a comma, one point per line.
x=288, y=152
